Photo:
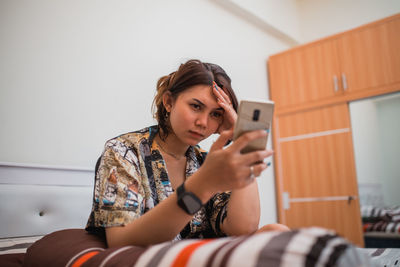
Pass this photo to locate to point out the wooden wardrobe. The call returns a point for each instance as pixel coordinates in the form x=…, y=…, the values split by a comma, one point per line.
x=316, y=181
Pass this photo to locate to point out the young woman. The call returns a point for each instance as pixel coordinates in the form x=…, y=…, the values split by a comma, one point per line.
x=156, y=184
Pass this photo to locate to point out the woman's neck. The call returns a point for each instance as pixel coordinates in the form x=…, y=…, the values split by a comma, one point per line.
x=172, y=146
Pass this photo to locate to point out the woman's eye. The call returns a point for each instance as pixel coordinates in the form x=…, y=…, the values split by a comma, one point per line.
x=195, y=106
x=216, y=114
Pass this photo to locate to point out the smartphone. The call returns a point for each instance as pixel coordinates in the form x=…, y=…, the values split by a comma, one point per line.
x=254, y=115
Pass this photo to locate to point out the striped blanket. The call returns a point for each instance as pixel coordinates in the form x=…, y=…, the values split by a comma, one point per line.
x=16, y=245
x=304, y=247
x=382, y=226
x=372, y=214
x=381, y=219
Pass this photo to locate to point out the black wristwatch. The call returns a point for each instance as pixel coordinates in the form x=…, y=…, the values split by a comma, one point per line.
x=188, y=201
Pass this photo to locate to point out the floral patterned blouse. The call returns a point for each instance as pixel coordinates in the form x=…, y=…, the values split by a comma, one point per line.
x=132, y=178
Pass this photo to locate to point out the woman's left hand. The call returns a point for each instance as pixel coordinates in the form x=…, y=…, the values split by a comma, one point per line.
x=224, y=101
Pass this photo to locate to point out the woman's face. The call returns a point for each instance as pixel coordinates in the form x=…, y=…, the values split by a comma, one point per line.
x=195, y=114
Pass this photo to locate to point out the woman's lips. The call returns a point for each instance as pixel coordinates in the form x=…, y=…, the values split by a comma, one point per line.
x=196, y=134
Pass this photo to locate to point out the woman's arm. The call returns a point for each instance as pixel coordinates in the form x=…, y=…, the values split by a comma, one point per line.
x=243, y=211
x=223, y=170
x=161, y=223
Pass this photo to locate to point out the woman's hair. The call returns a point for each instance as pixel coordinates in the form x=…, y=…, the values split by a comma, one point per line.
x=193, y=72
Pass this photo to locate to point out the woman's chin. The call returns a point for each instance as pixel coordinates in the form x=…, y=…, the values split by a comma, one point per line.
x=193, y=143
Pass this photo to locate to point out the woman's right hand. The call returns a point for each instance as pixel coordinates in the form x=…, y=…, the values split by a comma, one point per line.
x=227, y=169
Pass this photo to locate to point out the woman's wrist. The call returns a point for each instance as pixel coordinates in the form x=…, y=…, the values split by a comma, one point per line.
x=199, y=187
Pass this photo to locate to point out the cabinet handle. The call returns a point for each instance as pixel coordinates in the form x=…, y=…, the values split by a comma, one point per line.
x=335, y=83
x=286, y=200
x=344, y=81
x=350, y=199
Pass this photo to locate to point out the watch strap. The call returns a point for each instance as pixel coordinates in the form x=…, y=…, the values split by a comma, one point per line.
x=181, y=194
x=180, y=190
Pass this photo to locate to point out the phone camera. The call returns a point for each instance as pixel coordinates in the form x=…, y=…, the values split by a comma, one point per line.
x=256, y=114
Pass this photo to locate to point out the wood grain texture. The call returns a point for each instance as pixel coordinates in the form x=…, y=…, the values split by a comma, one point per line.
x=319, y=167
x=314, y=120
x=303, y=77
x=314, y=166
x=341, y=216
x=370, y=57
x=339, y=99
x=317, y=163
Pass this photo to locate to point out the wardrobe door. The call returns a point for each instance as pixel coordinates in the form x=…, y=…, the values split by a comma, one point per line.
x=370, y=58
x=339, y=215
x=305, y=74
x=316, y=178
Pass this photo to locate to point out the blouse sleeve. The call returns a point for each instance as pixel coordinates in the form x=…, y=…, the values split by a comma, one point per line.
x=217, y=211
x=118, y=193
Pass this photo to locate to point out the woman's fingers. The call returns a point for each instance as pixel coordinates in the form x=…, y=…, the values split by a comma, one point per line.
x=255, y=171
x=246, y=138
x=224, y=137
x=230, y=116
x=259, y=168
x=220, y=94
x=230, y=113
x=224, y=101
x=256, y=156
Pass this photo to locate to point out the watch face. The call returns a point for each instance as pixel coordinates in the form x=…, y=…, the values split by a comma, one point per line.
x=191, y=204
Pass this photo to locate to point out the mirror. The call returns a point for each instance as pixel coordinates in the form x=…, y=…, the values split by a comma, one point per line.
x=376, y=133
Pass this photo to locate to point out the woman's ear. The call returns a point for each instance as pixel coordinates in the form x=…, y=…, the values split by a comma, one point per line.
x=167, y=101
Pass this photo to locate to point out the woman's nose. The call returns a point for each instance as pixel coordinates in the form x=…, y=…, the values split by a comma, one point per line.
x=202, y=120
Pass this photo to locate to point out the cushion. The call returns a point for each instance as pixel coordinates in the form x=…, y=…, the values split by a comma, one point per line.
x=63, y=247
x=12, y=260
x=303, y=247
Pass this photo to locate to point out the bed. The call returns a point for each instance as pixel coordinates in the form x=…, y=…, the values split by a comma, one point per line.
x=302, y=247
x=41, y=224
x=381, y=226
x=381, y=222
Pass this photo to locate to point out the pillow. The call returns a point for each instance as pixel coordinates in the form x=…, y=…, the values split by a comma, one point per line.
x=12, y=260
x=63, y=247
x=303, y=247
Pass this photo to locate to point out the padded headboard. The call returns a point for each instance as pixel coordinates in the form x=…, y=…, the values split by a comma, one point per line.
x=37, y=200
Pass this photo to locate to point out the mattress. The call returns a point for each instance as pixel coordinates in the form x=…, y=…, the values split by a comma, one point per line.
x=304, y=247
x=16, y=245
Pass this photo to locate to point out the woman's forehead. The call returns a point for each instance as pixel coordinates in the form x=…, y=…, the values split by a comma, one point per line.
x=203, y=93
x=198, y=89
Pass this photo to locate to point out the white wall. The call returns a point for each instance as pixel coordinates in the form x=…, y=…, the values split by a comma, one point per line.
x=321, y=18
x=75, y=73
x=282, y=15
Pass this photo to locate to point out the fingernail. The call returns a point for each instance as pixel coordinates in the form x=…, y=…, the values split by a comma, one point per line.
x=267, y=130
